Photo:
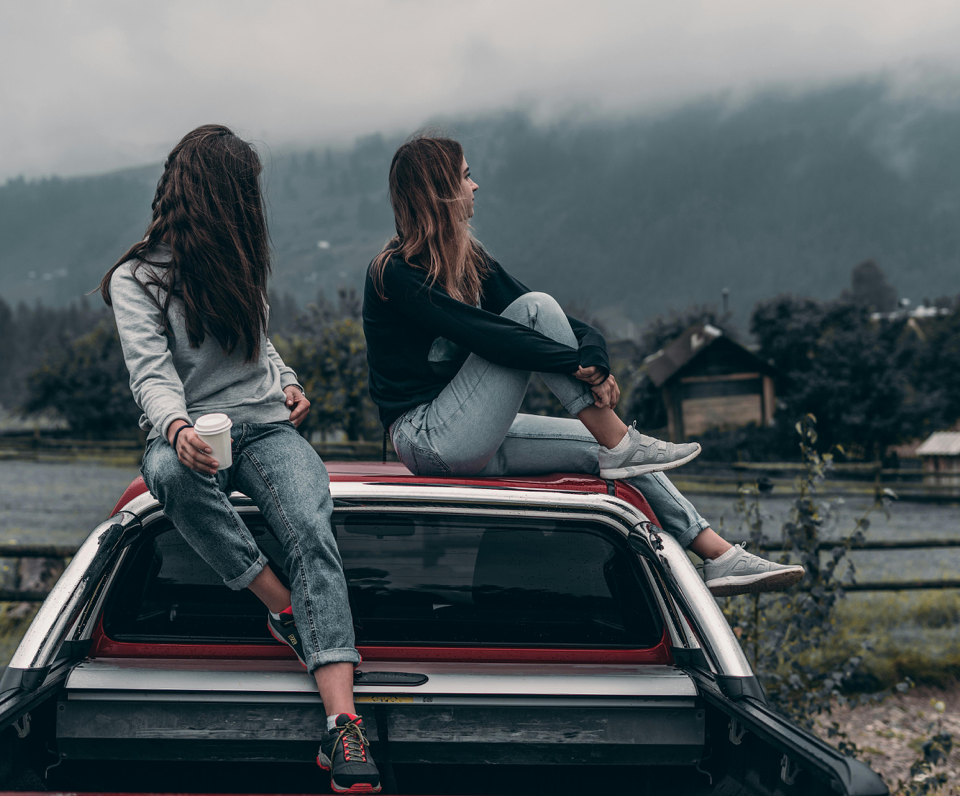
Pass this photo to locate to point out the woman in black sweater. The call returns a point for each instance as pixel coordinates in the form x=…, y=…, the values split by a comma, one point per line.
x=452, y=341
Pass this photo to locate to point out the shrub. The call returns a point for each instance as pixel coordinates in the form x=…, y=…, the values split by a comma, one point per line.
x=788, y=635
x=88, y=384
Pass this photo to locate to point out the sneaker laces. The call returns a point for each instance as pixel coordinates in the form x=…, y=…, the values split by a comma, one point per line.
x=354, y=741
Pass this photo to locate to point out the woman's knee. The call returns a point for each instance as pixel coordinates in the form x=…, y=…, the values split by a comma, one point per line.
x=168, y=478
x=532, y=306
x=541, y=311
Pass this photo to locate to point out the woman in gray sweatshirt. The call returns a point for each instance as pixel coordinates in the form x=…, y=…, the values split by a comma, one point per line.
x=190, y=305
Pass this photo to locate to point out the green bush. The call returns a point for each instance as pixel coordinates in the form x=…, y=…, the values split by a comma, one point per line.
x=328, y=351
x=790, y=637
x=88, y=384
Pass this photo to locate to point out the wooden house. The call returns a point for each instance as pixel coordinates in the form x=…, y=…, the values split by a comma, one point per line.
x=709, y=381
x=940, y=453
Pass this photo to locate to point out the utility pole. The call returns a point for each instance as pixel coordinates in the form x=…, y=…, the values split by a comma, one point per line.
x=726, y=295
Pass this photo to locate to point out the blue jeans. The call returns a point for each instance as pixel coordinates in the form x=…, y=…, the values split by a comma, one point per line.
x=473, y=426
x=279, y=470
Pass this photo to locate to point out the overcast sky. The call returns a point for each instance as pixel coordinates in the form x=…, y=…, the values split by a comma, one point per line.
x=94, y=85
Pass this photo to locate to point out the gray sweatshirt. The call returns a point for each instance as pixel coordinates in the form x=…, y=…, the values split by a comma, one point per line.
x=170, y=380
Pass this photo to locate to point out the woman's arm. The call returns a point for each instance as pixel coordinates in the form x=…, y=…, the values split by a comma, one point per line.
x=288, y=375
x=502, y=289
x=154, y=381
x=484, y=333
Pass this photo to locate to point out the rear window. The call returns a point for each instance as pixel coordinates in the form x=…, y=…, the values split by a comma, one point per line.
x=427, y=579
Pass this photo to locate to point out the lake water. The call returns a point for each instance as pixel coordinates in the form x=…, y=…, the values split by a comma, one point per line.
x=62, y=502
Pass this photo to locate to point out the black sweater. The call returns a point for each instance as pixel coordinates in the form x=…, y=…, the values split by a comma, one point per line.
x=409, y=363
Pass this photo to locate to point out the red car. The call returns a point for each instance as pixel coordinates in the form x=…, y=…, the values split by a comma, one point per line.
x=519, y=635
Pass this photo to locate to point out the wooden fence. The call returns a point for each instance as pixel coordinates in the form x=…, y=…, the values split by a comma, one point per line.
x=909, y=480
x=128, y=452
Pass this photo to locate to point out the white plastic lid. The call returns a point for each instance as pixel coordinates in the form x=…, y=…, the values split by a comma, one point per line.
x=213, y=423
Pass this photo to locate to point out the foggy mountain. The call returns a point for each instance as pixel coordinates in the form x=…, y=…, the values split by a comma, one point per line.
x=629, y=217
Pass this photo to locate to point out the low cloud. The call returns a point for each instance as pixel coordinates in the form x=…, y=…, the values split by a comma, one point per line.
x=101, y=84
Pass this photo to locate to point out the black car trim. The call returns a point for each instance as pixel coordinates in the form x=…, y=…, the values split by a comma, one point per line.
x=845, y=775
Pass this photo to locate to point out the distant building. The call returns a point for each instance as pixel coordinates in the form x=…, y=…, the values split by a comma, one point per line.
x=941, y=458
x=709, y=381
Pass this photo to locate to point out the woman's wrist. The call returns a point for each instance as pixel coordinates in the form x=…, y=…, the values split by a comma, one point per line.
x=173, y=429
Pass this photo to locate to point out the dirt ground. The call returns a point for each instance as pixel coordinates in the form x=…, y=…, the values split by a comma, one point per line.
x=890, y=734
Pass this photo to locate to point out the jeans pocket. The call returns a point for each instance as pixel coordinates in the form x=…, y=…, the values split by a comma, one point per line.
x=420, y=461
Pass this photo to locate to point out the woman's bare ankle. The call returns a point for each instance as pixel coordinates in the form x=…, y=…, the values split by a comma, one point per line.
x=270, y=590
x=603, y=423
x=709, y=544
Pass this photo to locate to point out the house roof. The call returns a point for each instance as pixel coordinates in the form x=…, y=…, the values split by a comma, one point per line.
x=941, y=443
x=687, y=347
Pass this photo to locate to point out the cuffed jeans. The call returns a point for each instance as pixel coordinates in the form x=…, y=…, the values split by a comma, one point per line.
x=279, y=470
x=473, y=426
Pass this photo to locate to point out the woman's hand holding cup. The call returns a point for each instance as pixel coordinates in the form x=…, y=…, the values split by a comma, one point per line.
x=191, y=450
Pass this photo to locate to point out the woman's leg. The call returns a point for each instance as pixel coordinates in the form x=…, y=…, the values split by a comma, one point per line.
x=473, y=427
x=282, y=474
x=287, y=480
x=463, y=426
x=198, y=506
x=536, y=445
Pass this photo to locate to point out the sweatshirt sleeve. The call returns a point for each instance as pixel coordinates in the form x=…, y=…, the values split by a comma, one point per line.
x=507, y=289
x=481, y=332
x=288, y=375
x=156, y=387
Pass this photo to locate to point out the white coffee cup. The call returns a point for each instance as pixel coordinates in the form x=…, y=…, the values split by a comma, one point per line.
x=214, y=429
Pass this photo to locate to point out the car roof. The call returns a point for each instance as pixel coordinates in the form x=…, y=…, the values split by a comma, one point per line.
x=396, y=474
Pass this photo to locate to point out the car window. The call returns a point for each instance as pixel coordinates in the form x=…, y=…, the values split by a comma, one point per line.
x=415, y=580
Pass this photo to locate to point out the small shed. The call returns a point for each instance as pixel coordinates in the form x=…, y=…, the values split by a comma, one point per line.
x=709, y=381
x=941, y=458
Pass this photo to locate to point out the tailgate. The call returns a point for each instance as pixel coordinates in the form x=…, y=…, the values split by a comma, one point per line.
x=463, y=713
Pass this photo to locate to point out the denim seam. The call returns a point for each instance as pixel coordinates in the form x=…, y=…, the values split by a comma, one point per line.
x=565, y=438
x=582, y=401
x=668, y=487
x=433, y=455
x=244, y=580
x=337, y=655
x=692, y=532
x=296, y=546
x=241, y=530
x=466, y=398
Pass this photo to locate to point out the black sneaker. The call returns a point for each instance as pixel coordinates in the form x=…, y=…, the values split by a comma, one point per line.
x=285, y=631
x=345, y=753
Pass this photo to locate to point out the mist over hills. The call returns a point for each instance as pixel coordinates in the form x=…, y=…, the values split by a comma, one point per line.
x=629, y=218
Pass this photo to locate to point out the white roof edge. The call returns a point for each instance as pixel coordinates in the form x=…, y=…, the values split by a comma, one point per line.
x=941, y=443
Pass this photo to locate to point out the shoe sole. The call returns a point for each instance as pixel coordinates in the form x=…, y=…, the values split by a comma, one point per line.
x=360, y=787
x=618, y=473
x=753, y=584
x=283, y=641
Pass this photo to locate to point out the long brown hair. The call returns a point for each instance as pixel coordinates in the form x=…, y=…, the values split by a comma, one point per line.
x=431, y=220
x=208, y=208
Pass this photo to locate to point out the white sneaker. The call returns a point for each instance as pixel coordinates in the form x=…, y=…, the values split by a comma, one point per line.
x=638, y=454
x=740, y=572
